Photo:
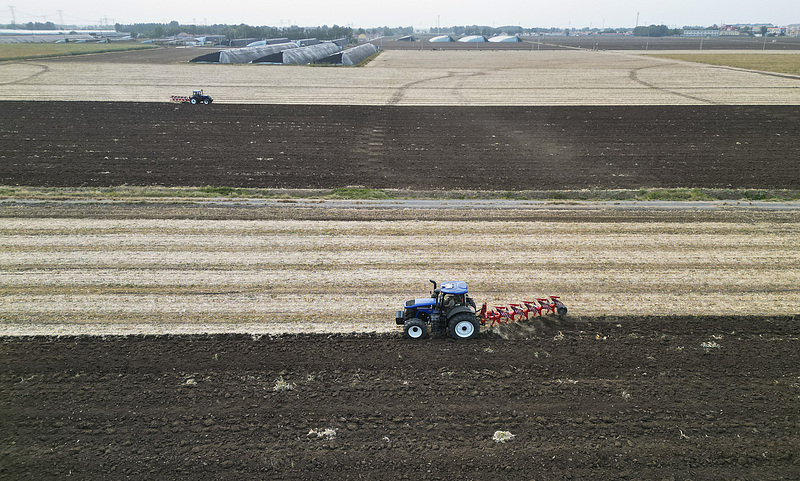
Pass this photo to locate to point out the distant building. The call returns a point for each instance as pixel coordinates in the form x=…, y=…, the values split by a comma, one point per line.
x=726, y=30
x=704, y=32
x=776, y=31
x=305, y=42
x=472, y=39
x=505, y=39
x=793, y=30
x=441, y=39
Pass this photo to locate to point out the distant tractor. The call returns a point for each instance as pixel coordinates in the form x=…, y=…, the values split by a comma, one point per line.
x=197, y=97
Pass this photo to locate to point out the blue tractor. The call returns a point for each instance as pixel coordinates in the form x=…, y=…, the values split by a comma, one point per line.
x=448, y=309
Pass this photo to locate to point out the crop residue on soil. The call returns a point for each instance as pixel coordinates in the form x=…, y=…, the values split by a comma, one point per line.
x=124, y=276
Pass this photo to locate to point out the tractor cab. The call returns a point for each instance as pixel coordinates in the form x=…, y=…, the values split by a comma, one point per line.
x=454, y=294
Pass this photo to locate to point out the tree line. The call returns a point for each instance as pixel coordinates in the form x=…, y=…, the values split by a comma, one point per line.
x=161, y=30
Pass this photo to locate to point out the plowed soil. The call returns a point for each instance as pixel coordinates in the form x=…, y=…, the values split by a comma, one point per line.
x=487, y=148
x=697, y=398
x=600, y=42
x=606, y=42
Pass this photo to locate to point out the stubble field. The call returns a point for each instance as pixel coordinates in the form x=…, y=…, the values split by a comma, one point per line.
x=454, y=78
x=72, y=276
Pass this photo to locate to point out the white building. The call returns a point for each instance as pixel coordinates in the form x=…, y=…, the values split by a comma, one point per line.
x=700, y=32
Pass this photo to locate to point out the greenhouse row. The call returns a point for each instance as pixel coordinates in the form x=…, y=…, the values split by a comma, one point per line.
x=303, y=52
x=476, y=38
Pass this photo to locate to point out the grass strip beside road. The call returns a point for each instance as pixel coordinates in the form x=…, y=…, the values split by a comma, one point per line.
x=22, y=51
x=777, y=63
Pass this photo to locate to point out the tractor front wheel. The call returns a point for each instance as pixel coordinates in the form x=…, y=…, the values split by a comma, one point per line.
x=415, y=329
x=464, y=326
x=206, y=101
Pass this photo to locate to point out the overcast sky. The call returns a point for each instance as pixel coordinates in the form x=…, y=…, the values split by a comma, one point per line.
x=417, y=13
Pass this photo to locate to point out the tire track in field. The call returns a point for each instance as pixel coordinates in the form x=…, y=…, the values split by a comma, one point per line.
x=401, y=91
x=44, y=69
x=634, y=75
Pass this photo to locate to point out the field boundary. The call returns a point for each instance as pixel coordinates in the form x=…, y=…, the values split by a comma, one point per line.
x=181, y=194
x=525, y=329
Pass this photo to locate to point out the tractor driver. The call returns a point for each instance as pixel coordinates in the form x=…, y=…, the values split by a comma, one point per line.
x=450, y=300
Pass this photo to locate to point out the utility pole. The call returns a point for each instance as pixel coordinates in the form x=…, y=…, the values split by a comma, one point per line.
x=637, y=19
x=61, y=17
x=13, y=18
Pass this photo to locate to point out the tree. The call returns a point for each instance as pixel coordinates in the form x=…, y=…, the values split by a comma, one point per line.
x=655, y=31
x=763, y=30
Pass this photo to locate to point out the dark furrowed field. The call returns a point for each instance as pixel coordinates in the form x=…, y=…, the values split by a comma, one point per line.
x=64, y=144
x=599, y=42
x=625, y=398
x=608, y=42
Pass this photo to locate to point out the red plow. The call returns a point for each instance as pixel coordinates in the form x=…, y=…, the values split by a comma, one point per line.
x=522, y=310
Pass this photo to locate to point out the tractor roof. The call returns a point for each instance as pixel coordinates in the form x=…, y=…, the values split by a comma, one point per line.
x=454, y=287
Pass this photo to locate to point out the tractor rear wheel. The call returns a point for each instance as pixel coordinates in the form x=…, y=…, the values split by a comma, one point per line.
x=464, y=326
x=193, y=101
x=415, y=329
